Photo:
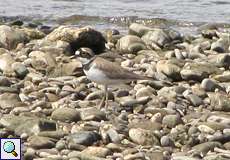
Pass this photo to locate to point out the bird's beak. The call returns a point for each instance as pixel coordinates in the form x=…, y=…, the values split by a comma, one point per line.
x=73, y=57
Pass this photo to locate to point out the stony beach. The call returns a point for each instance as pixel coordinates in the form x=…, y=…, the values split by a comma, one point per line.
x=182, y=114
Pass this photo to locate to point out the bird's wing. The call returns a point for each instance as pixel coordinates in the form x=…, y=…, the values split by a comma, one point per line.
x=115, y=71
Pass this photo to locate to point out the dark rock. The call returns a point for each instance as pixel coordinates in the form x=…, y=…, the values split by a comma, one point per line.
x=83, y=137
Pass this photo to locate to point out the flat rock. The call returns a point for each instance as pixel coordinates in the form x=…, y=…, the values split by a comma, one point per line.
x=66, y=115
x=205, y=147
x=143, y=137
x=83, y=137
x=91, y=113
x=39, y=142
x=10, y=101
x=96, y=151
x=198, y=71
x=29, y=125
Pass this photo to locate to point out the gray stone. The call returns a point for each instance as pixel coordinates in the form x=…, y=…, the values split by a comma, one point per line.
x=205, y=147
x=171, y=120
x=169, y=68
x=194, y=99
x=124, y=44
x=83, y=156
x=66, y=115
x=220, y=46
x=209, y=85
x=29, y=125
x=138, y=29
x=198, y=71
x=10, y=100
x=38, y=142
x=166, y=141
x=20, y=70
x=156, y=36
x=83, y=137
x=91, y=113
x=4, y=81
x=10, y=37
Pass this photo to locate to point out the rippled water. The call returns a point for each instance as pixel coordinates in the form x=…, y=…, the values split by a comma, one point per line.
x=180, y=10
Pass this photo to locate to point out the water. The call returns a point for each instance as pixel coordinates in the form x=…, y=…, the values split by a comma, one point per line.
x=184, y=12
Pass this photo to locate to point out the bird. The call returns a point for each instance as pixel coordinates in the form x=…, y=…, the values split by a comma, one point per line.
x=101, y=70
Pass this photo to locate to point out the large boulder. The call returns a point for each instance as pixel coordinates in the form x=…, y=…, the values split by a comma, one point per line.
x=79, y=37
x=161, y=37
x=130, y=44
x=10, y=37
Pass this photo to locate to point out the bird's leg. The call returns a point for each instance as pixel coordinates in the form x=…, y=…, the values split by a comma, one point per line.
x=104, y=101
x=106, y=97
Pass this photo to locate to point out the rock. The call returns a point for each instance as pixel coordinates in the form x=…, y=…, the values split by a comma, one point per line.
x=169, y=68
x=166, y=141
x=83, y=137
x=194, y=99
x=20, y=70
x=156, y=36
x=33, y=33
x=219, y=102
x=225, y=77
x=145, y=91
x=6, y=62
x=206, y=147
x=195, y=52
x=4, y=81
x=91, y=113
x=143, y=137
x=209, y=85
x=129, y=101
x=81, y=156
x=138, y=29
x=66, y=115
x=220, y=46
x=198, y=71
x=60, y=145
x=171, y=120
x=220, y=60
x=97, y=151
x=209, y=33
x=167, y=93
x=29, y=125
x=10, y=37
x=79, y=37
x=53, y=134
x=113, y=135
x=126, y=44
x=38, y=142
x=10, y=101
x=16, y=23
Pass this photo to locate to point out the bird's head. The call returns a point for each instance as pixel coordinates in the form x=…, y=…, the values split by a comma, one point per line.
x=84, y=54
